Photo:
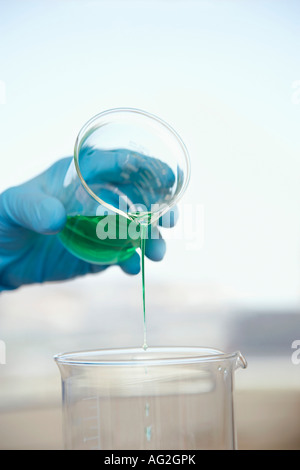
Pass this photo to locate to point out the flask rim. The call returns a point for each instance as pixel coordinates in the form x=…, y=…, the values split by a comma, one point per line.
x=91, y=125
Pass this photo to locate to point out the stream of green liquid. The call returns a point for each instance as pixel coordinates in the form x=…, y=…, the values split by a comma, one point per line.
x=143, y=247
x=81, y=237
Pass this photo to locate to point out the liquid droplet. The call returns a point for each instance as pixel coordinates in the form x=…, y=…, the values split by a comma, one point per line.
x=148, y=433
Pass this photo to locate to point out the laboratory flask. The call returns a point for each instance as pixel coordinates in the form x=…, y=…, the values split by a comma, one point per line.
x=129, y=168
x=170, y=398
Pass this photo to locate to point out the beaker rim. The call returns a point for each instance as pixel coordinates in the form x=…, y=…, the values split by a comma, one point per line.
x=158, y=356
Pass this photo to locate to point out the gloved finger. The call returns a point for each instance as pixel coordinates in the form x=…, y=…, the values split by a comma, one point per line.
x=124, y=165
x=32, y=210
x=169, y=219
x=57, y=177
x=97, y=268
x=132, y=265
x=155, y=245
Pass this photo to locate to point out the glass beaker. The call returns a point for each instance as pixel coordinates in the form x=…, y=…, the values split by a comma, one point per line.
x=162, y=398
x=129, y=168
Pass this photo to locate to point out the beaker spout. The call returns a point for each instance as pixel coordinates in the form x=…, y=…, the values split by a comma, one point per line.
x=240, y=361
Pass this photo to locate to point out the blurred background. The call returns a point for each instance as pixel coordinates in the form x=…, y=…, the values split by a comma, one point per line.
x=225, y=75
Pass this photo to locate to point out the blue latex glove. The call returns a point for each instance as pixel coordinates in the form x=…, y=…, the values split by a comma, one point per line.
x=31, y=216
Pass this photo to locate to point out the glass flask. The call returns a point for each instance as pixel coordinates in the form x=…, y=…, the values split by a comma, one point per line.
x=129, y=169
x=163, y=398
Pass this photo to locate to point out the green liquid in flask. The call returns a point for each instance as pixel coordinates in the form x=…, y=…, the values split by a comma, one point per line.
x=81, y=237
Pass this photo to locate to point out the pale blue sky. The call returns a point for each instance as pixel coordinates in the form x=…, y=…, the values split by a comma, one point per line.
x=220, y=72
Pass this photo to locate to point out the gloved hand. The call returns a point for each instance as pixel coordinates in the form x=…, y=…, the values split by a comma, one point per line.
x=31, y=216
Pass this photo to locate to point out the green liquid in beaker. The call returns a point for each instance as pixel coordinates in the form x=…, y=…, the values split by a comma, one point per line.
x=81, y=237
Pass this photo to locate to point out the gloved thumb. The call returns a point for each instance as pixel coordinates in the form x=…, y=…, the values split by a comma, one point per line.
x=32, y=210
